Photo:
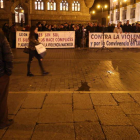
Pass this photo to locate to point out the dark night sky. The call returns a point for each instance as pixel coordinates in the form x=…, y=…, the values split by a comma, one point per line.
x=102, y=2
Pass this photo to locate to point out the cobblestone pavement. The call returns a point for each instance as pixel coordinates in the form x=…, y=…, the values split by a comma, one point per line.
x=79, y=70
x=86, y=96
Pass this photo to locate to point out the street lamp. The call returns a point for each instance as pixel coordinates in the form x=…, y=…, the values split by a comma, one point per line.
x=93, y=12
x=102, y=7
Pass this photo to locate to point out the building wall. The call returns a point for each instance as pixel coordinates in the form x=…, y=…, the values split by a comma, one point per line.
x=98, y=17
x=33, y=16
x=120, y=6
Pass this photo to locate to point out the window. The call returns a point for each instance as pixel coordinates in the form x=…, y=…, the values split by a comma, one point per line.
x=124, y=14
x=51, y=5
x=132, y=14
x=117, y=15
x=39, y=5
x=19, y=14
x=111, y=16
x=75, y=6
x=1, y=4
x=64, y=6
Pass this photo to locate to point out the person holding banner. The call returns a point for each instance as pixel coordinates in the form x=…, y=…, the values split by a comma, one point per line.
x=118, y=29
x=33, y=41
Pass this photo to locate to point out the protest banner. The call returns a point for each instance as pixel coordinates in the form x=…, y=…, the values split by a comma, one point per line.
x=114, y=40
x=59, y=39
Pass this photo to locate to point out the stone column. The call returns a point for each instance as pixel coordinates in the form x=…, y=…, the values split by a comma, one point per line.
x=128, y=12
x=137, y=12
x=114, y=18
x=121, y=9
x=57, y=5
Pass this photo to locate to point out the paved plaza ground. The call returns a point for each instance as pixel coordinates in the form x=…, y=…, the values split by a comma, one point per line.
x=87, y=95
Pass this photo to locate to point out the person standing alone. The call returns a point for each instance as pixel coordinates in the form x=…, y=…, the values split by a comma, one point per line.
x=6, y=65
x=33, y=41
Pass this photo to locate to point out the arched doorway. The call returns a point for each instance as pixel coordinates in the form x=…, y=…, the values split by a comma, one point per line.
x=19, y=15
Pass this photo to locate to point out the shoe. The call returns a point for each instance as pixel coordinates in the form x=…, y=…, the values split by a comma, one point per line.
x=45, y=73
x=30, y=74
x=10, y=122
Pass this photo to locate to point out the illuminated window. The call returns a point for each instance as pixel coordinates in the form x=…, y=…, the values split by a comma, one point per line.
x=1, y=4
x=19, y=15
x=64, y=5
x=51, y=5
x=75, y=6
x=39, y=5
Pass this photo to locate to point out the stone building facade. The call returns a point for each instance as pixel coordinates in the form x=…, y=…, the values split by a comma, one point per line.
x=123, y=10
x=27, y=11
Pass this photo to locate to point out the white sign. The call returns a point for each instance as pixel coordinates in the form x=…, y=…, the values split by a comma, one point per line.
x=114, y=40
x=50, y=39
x=95, y=40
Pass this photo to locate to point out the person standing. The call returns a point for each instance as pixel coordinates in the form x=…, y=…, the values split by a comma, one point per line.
x=127, y=27
x=5, y=29
x=13, y=35
x=33, y=41
x=6, y=66
x=118, y=29
x=78, y=37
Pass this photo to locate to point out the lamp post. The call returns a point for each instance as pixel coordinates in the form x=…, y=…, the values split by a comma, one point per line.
x=103, y=7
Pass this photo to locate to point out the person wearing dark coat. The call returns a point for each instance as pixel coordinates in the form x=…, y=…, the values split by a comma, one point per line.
x=99, y=28
x=87, y=34
x=13, y=35
x=137, y=28
x=127, y=27
x=133, y=28
x=109, y=28
x=6, y=66
x=5, y=29
x=78, y=33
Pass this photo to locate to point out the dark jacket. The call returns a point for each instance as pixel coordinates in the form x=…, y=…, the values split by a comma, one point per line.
x=33, y=41
x=127, y=28
x=6, y=57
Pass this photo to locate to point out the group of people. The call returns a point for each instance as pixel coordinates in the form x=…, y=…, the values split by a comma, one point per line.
x=81, y=31
x=127, y=28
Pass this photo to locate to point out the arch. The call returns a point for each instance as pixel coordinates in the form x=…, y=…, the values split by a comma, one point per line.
x=15, y=4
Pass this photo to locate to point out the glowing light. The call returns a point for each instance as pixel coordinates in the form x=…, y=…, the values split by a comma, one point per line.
x=106, y=6
x=98, y=6
x=125, y=0
x=108, y=17
x=93, y=12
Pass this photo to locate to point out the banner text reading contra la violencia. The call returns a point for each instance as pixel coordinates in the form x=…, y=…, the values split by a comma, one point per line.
x=114, y=40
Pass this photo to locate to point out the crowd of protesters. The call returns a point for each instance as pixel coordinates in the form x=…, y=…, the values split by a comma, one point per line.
x=81, y=31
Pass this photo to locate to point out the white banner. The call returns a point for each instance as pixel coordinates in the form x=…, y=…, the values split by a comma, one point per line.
x=114, y=40
x=50, y=39
x=95, y=40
